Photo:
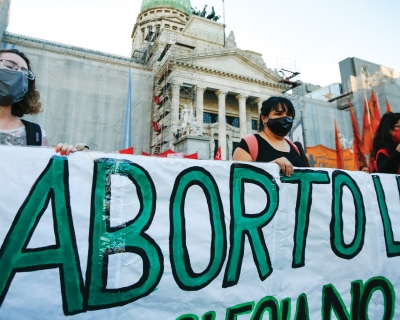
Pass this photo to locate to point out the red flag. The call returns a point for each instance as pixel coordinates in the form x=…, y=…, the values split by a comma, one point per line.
x=192, y=156
x=357, y=143
x=367, y=134
x=127, y=151
x=155, y=125
x=339, y=154
x=166, y=153
x=171, y=154
x=157, y=100
x=388, y=108
x=375, y=112
x=218, y=156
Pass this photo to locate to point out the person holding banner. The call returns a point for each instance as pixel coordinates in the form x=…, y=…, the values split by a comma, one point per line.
x=270, y=145
x=386, y=144
x=18, y=96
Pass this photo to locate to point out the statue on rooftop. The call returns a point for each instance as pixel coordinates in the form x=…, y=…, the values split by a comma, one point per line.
x=230, y=41
x=195, y=12
x=212, y=14
x=203, y=13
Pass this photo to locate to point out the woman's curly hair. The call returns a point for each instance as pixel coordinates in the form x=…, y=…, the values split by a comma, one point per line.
x=30, y=104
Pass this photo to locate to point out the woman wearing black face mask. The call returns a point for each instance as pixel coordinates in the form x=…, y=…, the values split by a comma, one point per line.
x=270, y=145
x=18, y=96
x=386, y=144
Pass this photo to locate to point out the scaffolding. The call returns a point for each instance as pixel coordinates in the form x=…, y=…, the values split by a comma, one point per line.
x=164, y=54
x=290, y=71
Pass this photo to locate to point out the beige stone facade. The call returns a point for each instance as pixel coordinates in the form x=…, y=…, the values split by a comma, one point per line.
x=84, y=92
x=198, y=74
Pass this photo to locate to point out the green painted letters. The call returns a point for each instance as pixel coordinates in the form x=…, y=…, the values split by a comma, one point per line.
x=392, y=246
x=183, y=273
x=302, y=312
x=385, y=286
x=339, y=247
x=232, y=313
x=251, y=225
x=305, y=179
x=331, y=300
x=52, y=185
x=268, y=304
x=131, y=237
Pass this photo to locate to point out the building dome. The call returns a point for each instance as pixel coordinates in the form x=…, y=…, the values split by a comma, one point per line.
x=181, y=5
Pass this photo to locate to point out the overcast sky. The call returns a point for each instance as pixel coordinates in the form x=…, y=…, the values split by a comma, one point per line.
x=316, y=34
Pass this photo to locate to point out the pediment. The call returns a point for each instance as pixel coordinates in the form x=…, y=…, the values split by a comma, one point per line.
x=236, y=64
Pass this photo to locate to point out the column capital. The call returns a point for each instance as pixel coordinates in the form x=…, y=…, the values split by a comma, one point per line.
x=259, y=102
x=241, y=96
x=200, y=89
x=176, y=86
x=221, y=93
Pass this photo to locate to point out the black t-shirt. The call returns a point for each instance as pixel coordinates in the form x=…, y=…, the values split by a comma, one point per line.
x=266, y=153
x=389, y=164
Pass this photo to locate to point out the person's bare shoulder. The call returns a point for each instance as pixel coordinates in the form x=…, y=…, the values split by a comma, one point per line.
x=241, y=155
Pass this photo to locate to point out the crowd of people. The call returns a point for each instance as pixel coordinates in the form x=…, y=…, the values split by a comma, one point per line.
x=18, y=97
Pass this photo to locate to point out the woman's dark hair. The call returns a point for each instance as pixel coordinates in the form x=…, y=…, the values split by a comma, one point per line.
x=303, y=155
x=30, y=104
x=277, y=104
x=383, y=138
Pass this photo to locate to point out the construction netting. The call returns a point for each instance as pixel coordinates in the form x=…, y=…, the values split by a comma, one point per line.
x=323, y=157
x=84, y=94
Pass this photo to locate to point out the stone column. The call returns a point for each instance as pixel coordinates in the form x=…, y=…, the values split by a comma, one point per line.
x=212, y=147
x=248, y=117
x=230, y=148
x=221, y=122
x=200, y=107
x=176, y=87
x=259, y=102
x=4, y=16
x=242, y=114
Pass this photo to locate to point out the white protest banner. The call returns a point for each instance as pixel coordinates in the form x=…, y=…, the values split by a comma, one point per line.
x=108, y=236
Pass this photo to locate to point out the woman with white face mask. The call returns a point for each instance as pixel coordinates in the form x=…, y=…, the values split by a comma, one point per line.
x=270, y=145
x=18, y=96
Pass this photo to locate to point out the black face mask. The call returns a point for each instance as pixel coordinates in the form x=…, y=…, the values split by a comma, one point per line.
x=280, y=126
x=13, y=86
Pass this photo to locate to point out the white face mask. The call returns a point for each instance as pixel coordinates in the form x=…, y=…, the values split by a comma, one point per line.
x=13, y=86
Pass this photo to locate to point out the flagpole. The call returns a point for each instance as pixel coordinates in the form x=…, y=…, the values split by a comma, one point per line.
x=303, y=132
x=223, y=12
x=127, y=135
x=366, y=101
x=377, y=102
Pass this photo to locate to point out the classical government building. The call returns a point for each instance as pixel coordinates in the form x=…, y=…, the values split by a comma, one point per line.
x=184, y=75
